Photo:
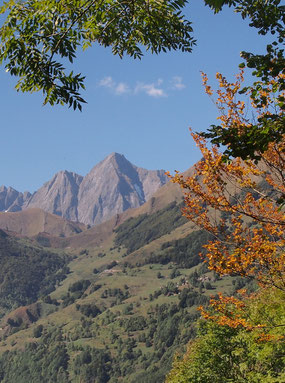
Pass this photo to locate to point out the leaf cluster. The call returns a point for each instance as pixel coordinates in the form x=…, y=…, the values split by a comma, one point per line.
x=40, y=38
x=225, y=354
x=266, y=17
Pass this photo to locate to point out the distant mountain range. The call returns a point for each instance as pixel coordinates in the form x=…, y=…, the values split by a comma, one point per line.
x=111, y=187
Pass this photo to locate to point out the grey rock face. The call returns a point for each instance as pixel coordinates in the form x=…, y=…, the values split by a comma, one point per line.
x=58, y=196
x=12, y=200
x=151, y=180
x=111, y=187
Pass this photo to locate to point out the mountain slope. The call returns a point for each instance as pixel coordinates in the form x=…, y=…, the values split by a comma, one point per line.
x=31, y=222
x=110, y=320
x=27, y=271
x=127, y=303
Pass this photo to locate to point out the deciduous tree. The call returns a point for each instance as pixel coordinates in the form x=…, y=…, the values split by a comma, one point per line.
x=224, y=353
x=269, y=18
x=240, y=202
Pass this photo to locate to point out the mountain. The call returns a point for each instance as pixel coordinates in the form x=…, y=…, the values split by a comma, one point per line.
x=61, y=232
x=11, y=199
x=111, y=187
x=99, y=234
x=58, y=196
x=114, y=311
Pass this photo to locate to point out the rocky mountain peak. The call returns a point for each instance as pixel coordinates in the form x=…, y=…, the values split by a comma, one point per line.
x=58, y=196
x=11, y=199
x=114, y=185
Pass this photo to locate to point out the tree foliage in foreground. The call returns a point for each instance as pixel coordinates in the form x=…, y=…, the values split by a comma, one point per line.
x=268, y=17
x=249, y=229
x=222, y=354
x=39, y=36
x=243, y=337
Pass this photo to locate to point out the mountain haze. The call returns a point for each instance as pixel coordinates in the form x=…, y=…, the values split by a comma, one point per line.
x=111, y=187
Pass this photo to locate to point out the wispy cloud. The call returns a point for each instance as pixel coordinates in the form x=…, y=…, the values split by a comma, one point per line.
x=152, y=90
x=177, y=83
x=121, y=88
x=117, y=88
x=107, y=82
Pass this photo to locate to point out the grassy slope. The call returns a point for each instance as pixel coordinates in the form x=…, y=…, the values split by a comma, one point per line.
x=33, y=221
x=142, y=282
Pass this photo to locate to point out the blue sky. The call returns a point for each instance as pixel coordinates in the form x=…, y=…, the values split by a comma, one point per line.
x=141, y=109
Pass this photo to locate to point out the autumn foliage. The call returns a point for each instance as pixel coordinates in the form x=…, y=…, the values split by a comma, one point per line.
x=240, y=202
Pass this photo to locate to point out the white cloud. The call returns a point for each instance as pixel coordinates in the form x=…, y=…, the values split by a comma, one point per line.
x=107, y=82
x=117, y=88
x=177, y=83
x=152, y=90
x=121, y=88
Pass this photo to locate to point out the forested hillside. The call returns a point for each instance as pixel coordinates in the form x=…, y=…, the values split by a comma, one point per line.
x=27, y=272
x=118, y=313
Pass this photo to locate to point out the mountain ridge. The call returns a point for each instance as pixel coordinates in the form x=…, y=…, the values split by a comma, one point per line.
x=111, y=187
x=96, y=235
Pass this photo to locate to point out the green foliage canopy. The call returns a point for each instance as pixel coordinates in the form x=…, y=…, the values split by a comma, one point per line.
x=222, y=354
x=268, y=17
x=39, y=37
